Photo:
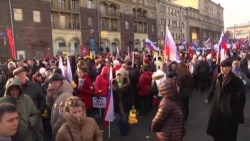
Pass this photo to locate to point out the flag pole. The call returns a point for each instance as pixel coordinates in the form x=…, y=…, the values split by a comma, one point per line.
x=109, y=129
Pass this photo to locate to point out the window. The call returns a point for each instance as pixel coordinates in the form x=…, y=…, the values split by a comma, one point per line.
x=61, y=44
x=90, y=21
x=18, y=14
x=126, y=24
x=62, y=4
x=90, y=3
x=153, y=28
x=37, y=16
x=62, y=22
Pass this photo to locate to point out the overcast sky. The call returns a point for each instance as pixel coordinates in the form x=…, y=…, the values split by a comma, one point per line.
x=235, y=11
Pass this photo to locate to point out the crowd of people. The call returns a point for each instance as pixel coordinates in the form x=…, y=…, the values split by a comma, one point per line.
x=50, y=106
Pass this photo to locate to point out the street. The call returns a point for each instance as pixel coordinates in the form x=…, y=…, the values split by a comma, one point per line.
x=195, y=127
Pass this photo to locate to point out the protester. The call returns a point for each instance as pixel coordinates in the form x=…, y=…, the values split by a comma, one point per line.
x=168, y=121
x=184, y=82
x=8, y=121
x=78, y=127
x=28, y=113
x=57, y=94
x=228, y=99
x=122, y=100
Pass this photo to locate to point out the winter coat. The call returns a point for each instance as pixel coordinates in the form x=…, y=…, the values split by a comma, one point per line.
x=85, y=91
x=36, y=93
x=102, y=82
x=168, y=121
x=56, y=103
x=84, y=130
x=227, y=106
x=185, y=86
x=144, y=84
x=5, y=138
x=122, y=96
x=28, y=114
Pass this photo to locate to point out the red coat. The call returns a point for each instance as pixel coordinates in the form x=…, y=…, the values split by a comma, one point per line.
x=144, y=83
x=86, y=91
x=102, y=82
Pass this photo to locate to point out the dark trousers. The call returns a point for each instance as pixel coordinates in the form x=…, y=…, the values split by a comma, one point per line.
x=144, y=104
x=185, y=102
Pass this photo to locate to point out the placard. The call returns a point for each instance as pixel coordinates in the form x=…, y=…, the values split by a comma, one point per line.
x=99, y=102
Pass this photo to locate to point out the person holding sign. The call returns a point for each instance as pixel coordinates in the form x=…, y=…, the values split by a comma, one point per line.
x=85, y=89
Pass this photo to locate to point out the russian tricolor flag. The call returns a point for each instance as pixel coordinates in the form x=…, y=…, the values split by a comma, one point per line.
x=151, y=45
x=109, y=109
x=171, y=50
x=222, y=50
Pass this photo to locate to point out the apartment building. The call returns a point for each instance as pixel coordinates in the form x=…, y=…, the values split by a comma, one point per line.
x=31, y=28
x=204, y=19
x=239, y=31
x=51, y=27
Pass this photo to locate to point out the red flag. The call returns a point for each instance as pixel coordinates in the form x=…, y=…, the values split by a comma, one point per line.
x=11, y=42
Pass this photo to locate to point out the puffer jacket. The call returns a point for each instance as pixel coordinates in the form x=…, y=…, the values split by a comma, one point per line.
x=84, y=130
x=168, y=121
x=56, y=103
x=28, y=114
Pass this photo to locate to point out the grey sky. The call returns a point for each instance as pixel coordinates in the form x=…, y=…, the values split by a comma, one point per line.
x=235, y=11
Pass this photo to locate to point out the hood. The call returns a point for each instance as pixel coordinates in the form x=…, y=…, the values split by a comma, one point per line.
x=12, y=82
x=168, y=88
x=66, y=87
x=74, y=123
x=105, y=69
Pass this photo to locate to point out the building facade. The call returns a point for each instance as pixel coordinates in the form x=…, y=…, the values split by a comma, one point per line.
x=31, y=28
x=51, y=27
x=239, y=31
x=175, y=17
x=204, y=19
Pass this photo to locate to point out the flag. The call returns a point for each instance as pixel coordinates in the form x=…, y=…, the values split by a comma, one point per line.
x=170, y=48
x=222, y=42
x=11, y=42
x=68, y=74
x=60, y=65
x=208, y=41
x=151, y=45
x=109, y=109
x=117, y=50
x=246, y=42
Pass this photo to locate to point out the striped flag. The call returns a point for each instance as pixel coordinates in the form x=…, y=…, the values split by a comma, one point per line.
x=109, y=109
x=60, y=65
x=68, y=73
x=170, y=48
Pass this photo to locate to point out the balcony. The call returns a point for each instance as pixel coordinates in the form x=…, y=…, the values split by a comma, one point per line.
x=72, y=26
x=65, y=7
x=109, y=14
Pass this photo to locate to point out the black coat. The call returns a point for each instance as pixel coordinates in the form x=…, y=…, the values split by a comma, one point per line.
x=227, y=107
x=122, y=96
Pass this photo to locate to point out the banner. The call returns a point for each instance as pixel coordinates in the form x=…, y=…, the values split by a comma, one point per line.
x=99, y=102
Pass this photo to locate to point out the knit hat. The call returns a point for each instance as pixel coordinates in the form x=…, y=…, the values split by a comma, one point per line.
x=18, y=70
x=11, y=63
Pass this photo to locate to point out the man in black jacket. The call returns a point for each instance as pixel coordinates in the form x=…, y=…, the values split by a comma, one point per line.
x=227, y=99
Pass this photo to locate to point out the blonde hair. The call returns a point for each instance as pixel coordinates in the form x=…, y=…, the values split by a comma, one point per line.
x=73, y=101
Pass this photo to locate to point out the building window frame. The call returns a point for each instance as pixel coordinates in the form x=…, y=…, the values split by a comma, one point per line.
x=36, y=16
x=18, y=14
x=90, y=4
x=90, y=21
x=126, y=25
